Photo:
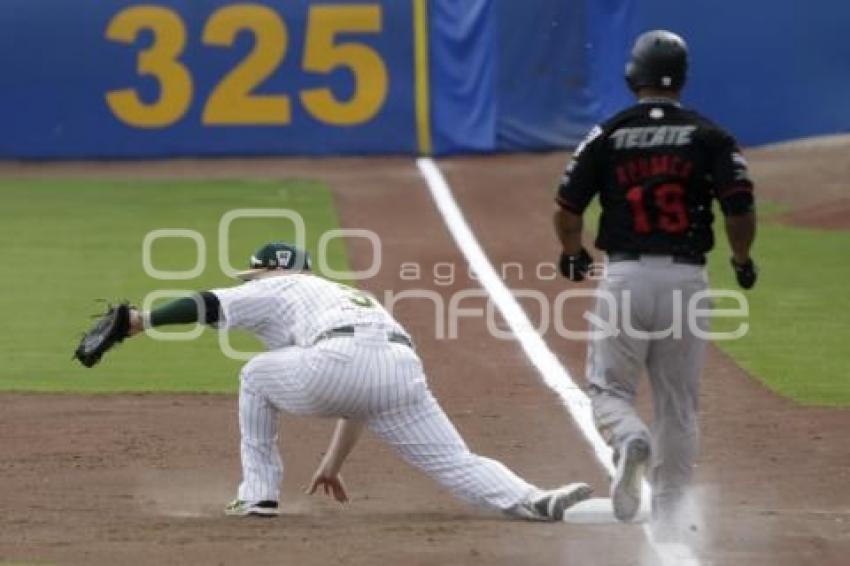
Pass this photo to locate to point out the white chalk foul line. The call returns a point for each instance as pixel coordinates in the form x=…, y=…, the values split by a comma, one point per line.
x=552, y=371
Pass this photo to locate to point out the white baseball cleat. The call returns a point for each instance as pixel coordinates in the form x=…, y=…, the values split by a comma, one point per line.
x=239, y=508
x=550, y=505
x=631, y=467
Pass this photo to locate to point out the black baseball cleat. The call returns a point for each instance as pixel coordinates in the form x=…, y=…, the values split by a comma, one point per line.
x=632, y=462
x=550, y=505
x=239, y=508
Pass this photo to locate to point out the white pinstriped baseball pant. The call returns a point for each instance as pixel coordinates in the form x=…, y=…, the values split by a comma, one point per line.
x=368, y=377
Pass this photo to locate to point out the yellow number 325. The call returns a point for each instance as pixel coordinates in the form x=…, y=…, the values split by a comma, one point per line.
x=233, y=101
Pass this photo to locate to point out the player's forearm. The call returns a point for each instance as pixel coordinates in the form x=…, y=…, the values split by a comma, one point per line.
x=568, y=227
x=202, y=306
x=345, y=436
x=741, y=231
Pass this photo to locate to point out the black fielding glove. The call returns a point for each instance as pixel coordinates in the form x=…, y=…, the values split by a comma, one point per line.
x=110, y=329
x=575, y=267
x=746, y=273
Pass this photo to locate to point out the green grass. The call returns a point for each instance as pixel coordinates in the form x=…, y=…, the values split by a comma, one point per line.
x=64, y=243
x=799, y=309
x=799, y=331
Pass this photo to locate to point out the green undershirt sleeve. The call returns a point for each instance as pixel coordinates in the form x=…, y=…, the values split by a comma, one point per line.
x=186, y=310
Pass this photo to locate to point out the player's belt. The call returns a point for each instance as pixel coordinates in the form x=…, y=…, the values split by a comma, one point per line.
x=614, y=257
x=394, y=337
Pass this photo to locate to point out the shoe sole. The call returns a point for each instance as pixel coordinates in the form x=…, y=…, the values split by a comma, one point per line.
x=626, y=491
x=572, y=494
x=253, y=512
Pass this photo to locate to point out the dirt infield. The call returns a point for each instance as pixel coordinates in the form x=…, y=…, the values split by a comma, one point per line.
x=810, y=178
x=141, y=479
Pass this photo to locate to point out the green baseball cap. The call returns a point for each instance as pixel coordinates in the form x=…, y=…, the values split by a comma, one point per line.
x=276, y=255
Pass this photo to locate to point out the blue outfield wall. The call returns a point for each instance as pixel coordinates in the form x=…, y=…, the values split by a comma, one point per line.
x=205, y=77
x=508, y=75
x=769, y=70
x=317, y=77
x=553, y=89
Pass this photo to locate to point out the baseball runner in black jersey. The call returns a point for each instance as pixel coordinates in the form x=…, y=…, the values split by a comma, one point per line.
x=656, y=167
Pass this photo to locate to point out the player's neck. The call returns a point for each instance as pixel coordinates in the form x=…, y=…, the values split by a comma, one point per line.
x=656, y=95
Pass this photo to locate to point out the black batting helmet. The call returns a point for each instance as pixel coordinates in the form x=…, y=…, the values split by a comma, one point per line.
x=659, y=59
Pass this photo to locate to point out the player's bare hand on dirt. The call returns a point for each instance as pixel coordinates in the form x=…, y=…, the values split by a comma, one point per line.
x=331, y=483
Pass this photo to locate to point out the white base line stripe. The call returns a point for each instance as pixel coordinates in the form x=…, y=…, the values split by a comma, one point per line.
x=553, y=373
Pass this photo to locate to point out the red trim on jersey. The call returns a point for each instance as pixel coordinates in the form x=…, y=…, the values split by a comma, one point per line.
x=734, y=190
x=568, y=205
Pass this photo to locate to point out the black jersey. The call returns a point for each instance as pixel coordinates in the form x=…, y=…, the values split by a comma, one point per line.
x=657, y=167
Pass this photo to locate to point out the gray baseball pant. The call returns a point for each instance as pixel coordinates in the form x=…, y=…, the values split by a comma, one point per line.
x=646, y=302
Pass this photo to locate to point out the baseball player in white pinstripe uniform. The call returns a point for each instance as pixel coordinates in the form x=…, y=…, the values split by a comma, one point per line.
x=334, y=351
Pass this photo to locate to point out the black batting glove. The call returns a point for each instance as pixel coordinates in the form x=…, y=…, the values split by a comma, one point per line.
x=746, y=273
x=575, y=267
